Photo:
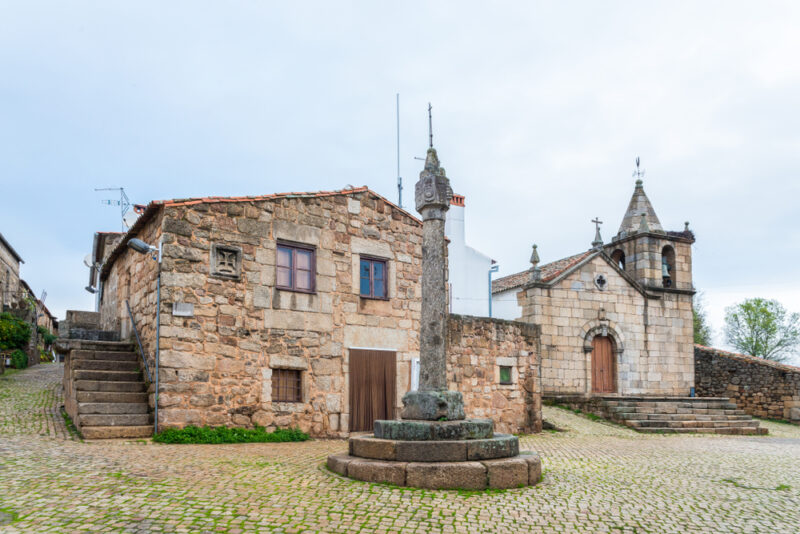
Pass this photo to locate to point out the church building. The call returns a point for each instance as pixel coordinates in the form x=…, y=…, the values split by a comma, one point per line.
x=614, y=319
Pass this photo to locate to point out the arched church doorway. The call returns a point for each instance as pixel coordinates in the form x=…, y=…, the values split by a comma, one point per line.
x=603, y=365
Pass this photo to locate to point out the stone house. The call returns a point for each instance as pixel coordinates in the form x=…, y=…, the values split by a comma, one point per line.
x=615, y=319
x=299, y=309
x=10, y=261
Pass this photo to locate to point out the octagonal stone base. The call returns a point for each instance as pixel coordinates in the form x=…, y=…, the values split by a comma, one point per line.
x=504, y=473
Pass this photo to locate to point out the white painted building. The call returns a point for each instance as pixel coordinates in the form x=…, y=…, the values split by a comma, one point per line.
x=468, y=274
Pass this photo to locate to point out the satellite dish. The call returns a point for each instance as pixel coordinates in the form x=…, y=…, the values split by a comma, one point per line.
x=129, y=219
x=87, y=261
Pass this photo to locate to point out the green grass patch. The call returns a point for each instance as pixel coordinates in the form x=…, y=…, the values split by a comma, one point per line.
x=7, y=515
x=215, y=435
x=71, y=428
x=736, y=483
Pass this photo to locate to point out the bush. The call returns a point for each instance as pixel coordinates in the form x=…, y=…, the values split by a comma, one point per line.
x=48, y=338
x=209, y=435
x=19, y=360
x=14, y=332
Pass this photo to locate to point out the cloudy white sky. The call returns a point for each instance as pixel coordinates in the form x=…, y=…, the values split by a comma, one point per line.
x=539, y=112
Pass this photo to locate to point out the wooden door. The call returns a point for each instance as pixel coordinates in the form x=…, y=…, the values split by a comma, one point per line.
x=372, y=387
x=603, y=372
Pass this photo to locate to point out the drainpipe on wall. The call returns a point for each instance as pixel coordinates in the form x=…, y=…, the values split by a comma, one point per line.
x=493, y=269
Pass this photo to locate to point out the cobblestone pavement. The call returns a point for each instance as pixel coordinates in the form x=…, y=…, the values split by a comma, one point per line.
x=599, y=477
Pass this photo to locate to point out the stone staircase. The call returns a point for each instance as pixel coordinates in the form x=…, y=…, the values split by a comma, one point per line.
x=712, y=415
x=105, y=392
x=667, y=415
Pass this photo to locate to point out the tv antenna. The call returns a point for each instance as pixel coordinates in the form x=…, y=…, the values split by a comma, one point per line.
x=124, y=203
x=399, y=179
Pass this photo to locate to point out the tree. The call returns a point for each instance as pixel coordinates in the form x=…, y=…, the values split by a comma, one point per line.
x=763, y=328
x=702, y=330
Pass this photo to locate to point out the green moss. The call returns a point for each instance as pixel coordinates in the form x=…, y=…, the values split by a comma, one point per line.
x=217, y=435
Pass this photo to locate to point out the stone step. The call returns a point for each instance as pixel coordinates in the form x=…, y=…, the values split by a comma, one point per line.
x=130, y=408
x=109, y=386
x=106, y=365
x=110, y=396
x=111, y=432
x=111, y=376
x=106, y=346
x=734, y=431
x=694, y=417
x=119, y=356
x=691, y=424
x=114, y=420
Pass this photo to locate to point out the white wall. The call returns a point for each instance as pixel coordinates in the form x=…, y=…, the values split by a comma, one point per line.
x=504, y=305
x=468, y=269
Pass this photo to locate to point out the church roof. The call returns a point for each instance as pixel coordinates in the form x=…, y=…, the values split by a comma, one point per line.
x=638, y=205
x=550, y=271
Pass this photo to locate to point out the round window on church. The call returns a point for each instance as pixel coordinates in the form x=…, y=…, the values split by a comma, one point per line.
x=601, y=281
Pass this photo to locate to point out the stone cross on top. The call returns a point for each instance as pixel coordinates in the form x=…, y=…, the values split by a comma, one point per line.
x=598, y=240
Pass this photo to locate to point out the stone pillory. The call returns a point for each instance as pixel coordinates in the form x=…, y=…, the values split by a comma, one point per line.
x=434, y=445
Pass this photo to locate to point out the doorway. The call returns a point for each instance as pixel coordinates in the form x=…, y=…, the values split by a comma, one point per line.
x=603, y=365
x=373, y=375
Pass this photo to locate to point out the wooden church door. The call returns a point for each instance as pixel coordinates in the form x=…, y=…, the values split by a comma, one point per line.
x=602, y=365
x=372, y=387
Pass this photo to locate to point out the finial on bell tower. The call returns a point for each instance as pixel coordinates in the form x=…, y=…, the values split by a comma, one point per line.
x=638, y=173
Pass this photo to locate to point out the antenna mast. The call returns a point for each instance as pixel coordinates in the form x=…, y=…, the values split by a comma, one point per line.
x=124, y=203
x=399, y=179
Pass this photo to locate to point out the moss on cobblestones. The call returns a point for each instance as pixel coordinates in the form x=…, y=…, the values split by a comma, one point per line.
x=599, y=478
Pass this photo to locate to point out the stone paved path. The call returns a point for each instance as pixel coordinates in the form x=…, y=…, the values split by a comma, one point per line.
x=598, y=478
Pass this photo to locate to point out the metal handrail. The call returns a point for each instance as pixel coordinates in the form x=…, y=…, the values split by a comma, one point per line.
x=139, y=341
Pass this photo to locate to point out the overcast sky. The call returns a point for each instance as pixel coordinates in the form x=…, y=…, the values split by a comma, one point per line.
x=539, y=112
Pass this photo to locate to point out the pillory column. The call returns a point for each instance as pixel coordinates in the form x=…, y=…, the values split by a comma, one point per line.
x=433, y=402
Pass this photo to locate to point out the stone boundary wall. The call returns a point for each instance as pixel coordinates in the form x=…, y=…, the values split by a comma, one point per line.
x=477, y=347
x=759, y=387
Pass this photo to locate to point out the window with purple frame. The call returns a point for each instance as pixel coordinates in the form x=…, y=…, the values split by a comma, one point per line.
x=295, y=269
x=373, y=278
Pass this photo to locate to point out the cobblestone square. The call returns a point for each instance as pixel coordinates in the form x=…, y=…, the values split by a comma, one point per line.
x=598, y=477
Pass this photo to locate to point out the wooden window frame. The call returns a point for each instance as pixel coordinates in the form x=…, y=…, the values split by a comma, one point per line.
x=510, y=375
x=372, y=261
x=293, y=392
x=294, y=247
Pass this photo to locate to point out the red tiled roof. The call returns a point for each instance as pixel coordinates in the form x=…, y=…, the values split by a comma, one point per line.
x=748, y=359
x=156, y=205
x=550, y=271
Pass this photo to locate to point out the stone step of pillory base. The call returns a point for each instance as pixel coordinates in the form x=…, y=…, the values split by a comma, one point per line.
x=434, y=430
x=515, y=472
x=500, y=446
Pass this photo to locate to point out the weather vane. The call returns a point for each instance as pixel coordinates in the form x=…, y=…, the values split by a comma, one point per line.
x=638, y=173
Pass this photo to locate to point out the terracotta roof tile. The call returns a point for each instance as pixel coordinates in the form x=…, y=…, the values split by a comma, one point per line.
x=156, y=205
x=550, y=271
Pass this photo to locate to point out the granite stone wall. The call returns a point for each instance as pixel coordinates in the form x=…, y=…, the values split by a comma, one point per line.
x=760, y=387
x=652, y=336
x=477, y=348
x=223, y=334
